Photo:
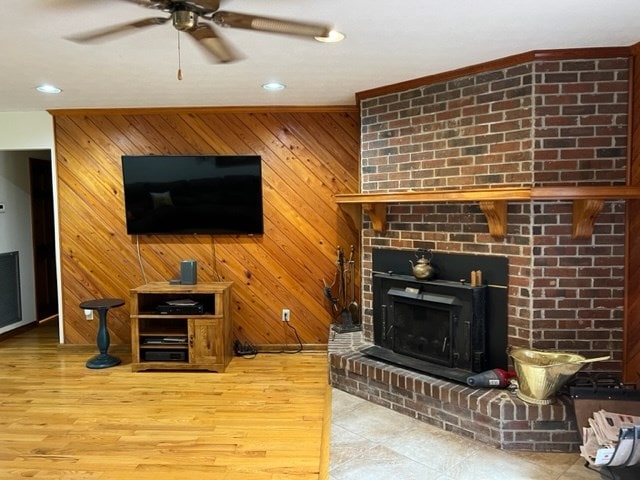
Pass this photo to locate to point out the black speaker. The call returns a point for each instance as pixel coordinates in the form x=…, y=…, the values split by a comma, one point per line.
x=188, y=272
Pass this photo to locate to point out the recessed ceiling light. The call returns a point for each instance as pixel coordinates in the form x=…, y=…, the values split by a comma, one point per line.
x=333, y=37
x=271, y=86
x=48, y=89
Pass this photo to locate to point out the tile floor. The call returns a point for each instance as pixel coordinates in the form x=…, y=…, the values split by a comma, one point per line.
x=369, y=442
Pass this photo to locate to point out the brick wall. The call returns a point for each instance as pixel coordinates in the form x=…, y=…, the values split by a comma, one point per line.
x=469, y=131
x=580, y=138
x=581, y=111
x=539, y=123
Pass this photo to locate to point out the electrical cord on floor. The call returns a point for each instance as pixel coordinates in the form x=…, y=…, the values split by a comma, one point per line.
x=299, y=348
x=245, y=350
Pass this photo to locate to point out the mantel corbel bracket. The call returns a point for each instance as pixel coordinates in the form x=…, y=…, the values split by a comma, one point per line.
x=585, y=212
x=495, y=212
x=377, y=213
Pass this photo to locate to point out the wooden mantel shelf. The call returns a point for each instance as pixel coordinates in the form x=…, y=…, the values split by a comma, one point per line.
x=587, y=203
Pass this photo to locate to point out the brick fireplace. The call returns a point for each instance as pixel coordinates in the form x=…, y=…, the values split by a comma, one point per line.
x=554, y=120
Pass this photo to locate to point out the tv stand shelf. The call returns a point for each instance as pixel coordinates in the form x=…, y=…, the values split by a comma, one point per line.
x=191, y=341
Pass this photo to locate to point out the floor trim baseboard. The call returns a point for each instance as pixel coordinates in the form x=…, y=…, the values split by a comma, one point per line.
x=290, y=347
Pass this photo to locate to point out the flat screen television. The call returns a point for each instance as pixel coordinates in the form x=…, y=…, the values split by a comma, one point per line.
x=193, y=194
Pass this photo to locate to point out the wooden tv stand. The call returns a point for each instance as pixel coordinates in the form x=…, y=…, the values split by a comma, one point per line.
x=191, y=340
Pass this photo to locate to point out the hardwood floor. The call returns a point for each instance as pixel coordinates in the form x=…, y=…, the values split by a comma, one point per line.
x=261, y=419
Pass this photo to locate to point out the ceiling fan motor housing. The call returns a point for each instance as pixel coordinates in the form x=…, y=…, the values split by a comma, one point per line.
x=184, y=20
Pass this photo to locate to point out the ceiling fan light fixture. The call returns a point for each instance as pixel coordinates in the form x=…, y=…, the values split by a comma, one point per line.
x=46, y=88
x=273, y=86
x=333, y=37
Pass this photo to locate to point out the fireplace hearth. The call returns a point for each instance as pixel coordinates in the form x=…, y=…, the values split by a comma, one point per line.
x=493, y=416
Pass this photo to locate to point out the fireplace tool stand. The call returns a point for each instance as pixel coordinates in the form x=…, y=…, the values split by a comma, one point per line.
x=348, y=311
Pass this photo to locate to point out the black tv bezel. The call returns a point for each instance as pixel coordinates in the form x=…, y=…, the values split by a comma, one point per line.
x=210, y=230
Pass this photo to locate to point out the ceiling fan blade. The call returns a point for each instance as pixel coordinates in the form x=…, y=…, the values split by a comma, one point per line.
x=268, y=24
x=215, y=45
x=208, y=5
x=157, y=4
x=115, y=30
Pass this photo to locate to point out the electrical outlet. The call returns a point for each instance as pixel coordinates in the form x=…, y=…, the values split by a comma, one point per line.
x=286, y=314
x=88, y=314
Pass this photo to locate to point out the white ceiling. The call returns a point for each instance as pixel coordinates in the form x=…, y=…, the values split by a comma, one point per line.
x=386, y=42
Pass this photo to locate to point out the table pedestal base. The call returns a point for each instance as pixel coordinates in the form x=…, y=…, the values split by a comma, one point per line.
x=102, y=305
x=103, y=360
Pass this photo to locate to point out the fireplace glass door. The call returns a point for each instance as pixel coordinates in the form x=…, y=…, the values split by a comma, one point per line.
x=424, y=327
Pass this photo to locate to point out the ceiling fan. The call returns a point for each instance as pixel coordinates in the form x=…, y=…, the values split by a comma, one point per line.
x=198, y=17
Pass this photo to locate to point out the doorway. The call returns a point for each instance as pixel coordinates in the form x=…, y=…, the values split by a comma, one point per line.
x=44, y=246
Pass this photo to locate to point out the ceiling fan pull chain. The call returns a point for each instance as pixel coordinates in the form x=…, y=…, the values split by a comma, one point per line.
x=179, y=59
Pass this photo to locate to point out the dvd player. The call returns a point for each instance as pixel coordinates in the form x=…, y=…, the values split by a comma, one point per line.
x=168, y=309
x=164, y=356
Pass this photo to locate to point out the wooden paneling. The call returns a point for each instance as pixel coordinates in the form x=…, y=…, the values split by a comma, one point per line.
x=308, y=157
x=632, y=271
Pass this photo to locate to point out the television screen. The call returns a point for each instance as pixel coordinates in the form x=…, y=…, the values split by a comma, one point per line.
x=185, y=194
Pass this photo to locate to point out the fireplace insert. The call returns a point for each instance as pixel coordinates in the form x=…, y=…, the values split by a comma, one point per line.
x=436, y=327
x=445, y=327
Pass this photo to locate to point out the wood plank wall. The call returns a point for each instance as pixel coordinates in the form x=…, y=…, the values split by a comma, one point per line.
x=309, y=155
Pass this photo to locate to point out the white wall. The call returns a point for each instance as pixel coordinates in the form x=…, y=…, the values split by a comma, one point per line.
x=26, y=131
x=21, y=136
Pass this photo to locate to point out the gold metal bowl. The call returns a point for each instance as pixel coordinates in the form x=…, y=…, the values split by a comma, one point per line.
x=542, y=373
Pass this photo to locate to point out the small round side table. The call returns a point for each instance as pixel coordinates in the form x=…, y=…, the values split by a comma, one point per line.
x=102, y=306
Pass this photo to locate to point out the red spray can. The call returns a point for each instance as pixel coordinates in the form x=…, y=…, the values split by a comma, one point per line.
x=496, y=378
